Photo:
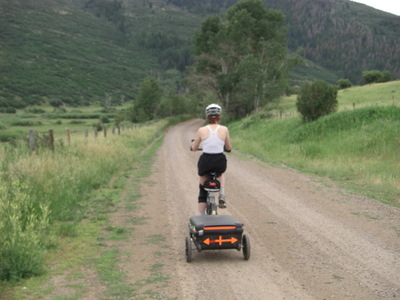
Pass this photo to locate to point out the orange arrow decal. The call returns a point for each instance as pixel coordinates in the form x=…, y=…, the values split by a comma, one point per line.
x=220, y=240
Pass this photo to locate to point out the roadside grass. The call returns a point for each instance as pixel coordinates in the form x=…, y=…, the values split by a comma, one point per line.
x=70, y=194
x=71, y=255
x=110, y=274
x=109, y=261
x=358, y=148
x=78, y=242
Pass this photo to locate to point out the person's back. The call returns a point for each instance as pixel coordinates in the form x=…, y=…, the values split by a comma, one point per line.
x=214, y=139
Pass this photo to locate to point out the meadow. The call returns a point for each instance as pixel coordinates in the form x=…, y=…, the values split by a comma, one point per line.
x=43, y=118
x=358, y=146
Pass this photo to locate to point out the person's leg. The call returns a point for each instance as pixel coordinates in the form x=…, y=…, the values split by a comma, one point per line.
x=202, y=208
x=202, y=195
x=221, y=198
x=202, y=179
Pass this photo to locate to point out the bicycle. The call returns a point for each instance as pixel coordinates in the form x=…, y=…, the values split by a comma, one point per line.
x=212, y=186
x=213, y=231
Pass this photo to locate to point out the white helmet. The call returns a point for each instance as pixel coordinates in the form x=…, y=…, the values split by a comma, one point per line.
x=213, y=109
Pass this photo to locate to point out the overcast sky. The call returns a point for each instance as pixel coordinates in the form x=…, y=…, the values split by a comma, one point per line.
x=392, y=6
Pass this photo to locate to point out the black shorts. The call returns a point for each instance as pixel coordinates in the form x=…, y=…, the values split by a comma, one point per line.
x=211, y=162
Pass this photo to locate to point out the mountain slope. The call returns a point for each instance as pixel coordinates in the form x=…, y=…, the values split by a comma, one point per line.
x=343, y=36
x=77, y=52
x=54, y=50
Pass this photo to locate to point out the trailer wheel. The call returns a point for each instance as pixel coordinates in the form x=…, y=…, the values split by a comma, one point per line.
x=188, y=249
x=246, y=247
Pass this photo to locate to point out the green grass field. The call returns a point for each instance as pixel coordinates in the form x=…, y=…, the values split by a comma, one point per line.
x=378, y=94
x=358, y=146
x=43, y=118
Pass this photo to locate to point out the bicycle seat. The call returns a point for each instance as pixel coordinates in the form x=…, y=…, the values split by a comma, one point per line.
x=213, y=174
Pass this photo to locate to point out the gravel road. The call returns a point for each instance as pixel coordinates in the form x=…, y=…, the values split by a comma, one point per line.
x=309, y=238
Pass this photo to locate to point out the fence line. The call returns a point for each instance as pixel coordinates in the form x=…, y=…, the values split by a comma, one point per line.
x=47, y=139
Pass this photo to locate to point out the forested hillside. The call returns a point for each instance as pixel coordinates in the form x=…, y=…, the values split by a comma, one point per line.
x=343, y=36
x=81, y=51
x=52, y=50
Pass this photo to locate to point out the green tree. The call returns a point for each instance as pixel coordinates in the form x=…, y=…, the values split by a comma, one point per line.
x=147, y=103
x=387, y=76
x=173, y=104
x=372, y=76
x=316, y=100
x=344, y=83
x=242, y=58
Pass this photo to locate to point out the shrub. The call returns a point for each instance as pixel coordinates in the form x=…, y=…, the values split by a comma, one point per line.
x=8, y=110
x=104, y=120
x=371, y=76
x=23, y=231
x=10, y=136
x=35, y=110
x=376, y=76
x=26, y=123
x=387, y=76
x=344, y=83
x=316, y=100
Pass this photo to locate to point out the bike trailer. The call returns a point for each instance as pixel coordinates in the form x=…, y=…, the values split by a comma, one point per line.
x=216, y=232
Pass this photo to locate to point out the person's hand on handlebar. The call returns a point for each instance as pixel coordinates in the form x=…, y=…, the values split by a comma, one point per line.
x=191, y=149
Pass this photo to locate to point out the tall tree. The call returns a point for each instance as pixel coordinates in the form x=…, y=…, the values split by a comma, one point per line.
x=242, y=57
x=148, y=100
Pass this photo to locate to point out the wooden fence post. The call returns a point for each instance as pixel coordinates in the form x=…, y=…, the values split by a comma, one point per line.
x=32, y=141
x=68, y=137
x=95, y=132
x=51, y=139
x=105, y=131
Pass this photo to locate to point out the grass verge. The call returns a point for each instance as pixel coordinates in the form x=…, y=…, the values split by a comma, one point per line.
x=73, y=240
x=359, y=149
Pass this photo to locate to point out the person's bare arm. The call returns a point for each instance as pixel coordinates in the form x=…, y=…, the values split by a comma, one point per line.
x=228, y=144
x=196, y=143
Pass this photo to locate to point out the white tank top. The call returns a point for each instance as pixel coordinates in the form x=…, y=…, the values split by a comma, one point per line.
x=213, y=144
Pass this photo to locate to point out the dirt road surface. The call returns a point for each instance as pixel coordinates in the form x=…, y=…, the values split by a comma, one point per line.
x=309, y=239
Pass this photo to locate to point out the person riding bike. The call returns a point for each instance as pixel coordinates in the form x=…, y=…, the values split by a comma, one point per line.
x=214, y=139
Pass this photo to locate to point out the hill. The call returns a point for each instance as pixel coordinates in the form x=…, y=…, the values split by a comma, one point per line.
x=55, y=50
x=85, y=51
x=343, y=36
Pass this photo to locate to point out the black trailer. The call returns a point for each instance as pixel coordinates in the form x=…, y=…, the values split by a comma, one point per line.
x=216, y=233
